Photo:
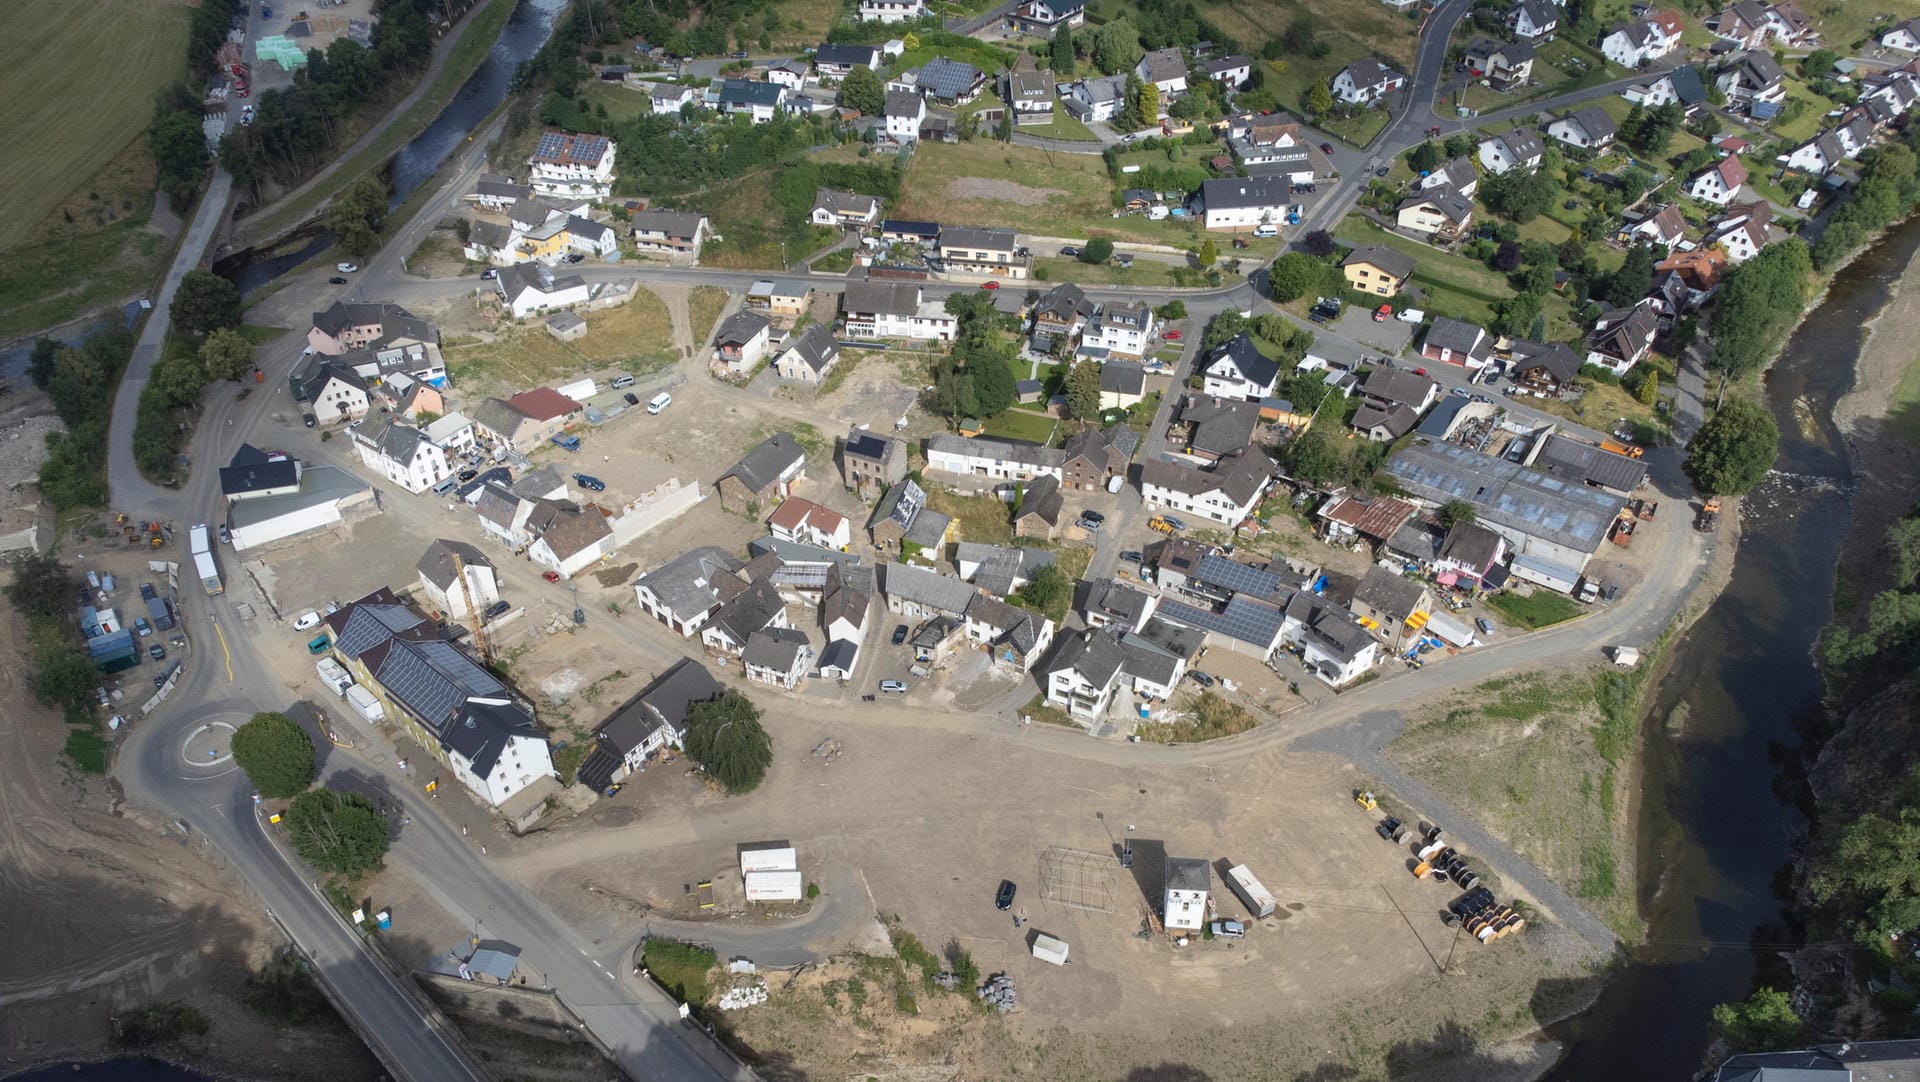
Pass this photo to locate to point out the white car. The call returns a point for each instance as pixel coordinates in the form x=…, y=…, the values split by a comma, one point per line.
x=307, y=622
x=346, y=268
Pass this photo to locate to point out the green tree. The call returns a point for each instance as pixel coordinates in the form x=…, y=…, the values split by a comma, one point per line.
x=1096, y=251
x=1061, y=53
x=1116, y=46
x=1047, y=592
x=204, y=303
x=357, y=215
x=179, y=155
x=1903, y=546
x=176, y=381
x=1459, y=145
x=42, y=585
x=1519, y=195
x=1222, y=327
x=1317, y=243
x=1172, y=310
x=337, y=832
x=1765, y=1022
x=1083, y=391
x=1424, y=157
x=994, y=387
x=1634, y=278
x=226, y=354
x=276, y=753
x=1318, y=101
x=1313, y=457
x=1454, y=512
x=952, y=396
x=1649, y=390
x=726, y=738
x=1293, y=276
x=863, y=90
x=64, y=676
x=1209, y=253
x=1146, y=103
x=1733, y=450
x=78, y=385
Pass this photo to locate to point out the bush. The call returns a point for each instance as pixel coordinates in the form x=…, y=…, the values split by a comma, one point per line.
x=1097, y=250
x=276, y=753
x=159, y=1024
x=337, y=832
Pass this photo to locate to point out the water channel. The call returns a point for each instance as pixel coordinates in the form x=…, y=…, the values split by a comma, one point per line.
x=1715, y=833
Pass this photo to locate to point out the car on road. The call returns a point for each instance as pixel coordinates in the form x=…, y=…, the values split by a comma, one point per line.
x=1133, y=557
x=1326, y=148
x=1172, y=336
x=590, y=482
x=1419, y=371
x=550, y=576
x=307, y=621
x=1460, y=392
x=1205, y=680
x=1485, y=625
x=739, y=54
x=1482, y=398
x=991, y=285
x=1003, y=899
x=498, y=608
x=226, y=536
x=1228, y=929
x=899, y=634
x=893, y=687
x=468, y=475
x=632, y=399
x=307, y=418
x=1069, y=250
x=489, y=275
x=336, y=280
x=572, y=257
x=157, y=652
x=1308, y=188
x=346, y=268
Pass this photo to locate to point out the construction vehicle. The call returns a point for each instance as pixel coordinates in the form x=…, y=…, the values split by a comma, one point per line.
x=1709, y=514
x=1365, y=799
x=1623, y=527
x=1626, y=449
x=1159, y=524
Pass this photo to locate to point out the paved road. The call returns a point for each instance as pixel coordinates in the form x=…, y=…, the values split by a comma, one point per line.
x=984, y=19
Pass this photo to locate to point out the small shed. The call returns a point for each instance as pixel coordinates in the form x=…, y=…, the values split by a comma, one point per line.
x=494, y=958
x=566, y=326
x=1048, y=949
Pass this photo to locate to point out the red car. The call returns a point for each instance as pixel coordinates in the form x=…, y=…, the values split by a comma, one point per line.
x=991, y=285
x=1173, y=336
x=1327, y=149
x=550, y=576
x=1419, y=371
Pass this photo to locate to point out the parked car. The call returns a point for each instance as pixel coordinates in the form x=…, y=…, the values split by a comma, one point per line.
x=497, y=609
x=632, y=399
x=489, y=275
x=1172, y=336
x=346, y=268
x=1133, y=557
x=550, y=576
x=1326, y=148
x=739, y=54
x=899, y=634
x=226, y=536
x=1091, y=525
x=308, y=419
x=589, y=482
x=159, y=680
x=309, y=620
x=1485, y=625
x=1003, y=899
x=336, y=280
x=157, y=652
x=1069, y=250
x=1460, y=392
x=1205, y=680
x=1228, y=929
x=140, y=625
x=468, y=475
x=1419, y=371
x=991, y=285
x=572, y=257
x=893, y=687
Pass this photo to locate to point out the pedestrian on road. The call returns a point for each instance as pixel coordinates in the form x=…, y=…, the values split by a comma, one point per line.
x=483, y=850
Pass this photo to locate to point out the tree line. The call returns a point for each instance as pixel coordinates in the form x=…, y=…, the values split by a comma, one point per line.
x=204, y=343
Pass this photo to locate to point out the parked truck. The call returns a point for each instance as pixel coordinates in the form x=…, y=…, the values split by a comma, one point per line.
x=203, y=560
x=1258, y=900
x=364, y=704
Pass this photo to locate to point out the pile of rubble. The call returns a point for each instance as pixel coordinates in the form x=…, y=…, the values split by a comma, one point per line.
x=734, y=999
x=999, y=991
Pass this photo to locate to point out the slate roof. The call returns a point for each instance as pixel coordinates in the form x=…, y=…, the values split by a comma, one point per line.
x=840, y=202
x=882, y=297
x=1095, y=443
x=859, y=55
x=904, y=103
x=1031, y=454
x=1256, y=366
x=1235, y=193
x=1042, y=499
x=742, y=92
x=1239, y=475
x=1393, y=385
x=1164, y=65
x=1095, y=655
x=1066, y=303
x=740, y=328
x=252, y=471
x=694, y=580
x=1123, y=377
x=816, y=349
x=1189, y=873
x=666, y=701
x=1687, y=85
x=1555, y=359
x=343, y=314
x=1595, y=122
x=776, y=648
x=1448, y=203
x=1219, y=426
x=1453, y=334
x=437, y=562
x=929, y=589
x=1522, y=144
x=484, y=727
x=1368, y=72
x=1392, y=260
x=751, y=610
x=1329, y=626
x=1388, y=592
x=764, y=465
x=1470, y=545
x=1000, y=565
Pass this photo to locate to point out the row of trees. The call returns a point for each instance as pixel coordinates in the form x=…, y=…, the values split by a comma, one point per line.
x=80, y=380
x=205, y=344
x=1889, y=189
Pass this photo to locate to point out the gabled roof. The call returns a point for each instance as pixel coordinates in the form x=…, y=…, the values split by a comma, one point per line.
x=990, y=239
x=1446, y=202
x=694, y=581
x=1368, y=72
x=436, y=564
x=252, y=471
x=1554, y=358
x=1235, y=193
x=483, y=728
x=1687, y=86
x=944, y=78
x=1041, y=499
x=1219, y=426
x=1094, y=655
x=742, y=92
x=1239, y=476
x=749, y=611
x=666, y=701
x=1163, y=65
x=543, y=404
x=768, y=462
x=815, y=348
x=1246, y=358
x=740, y=328
x=1031, y=454
x=1395, y=419
x=929, y=589
x=562, y=148
x=1066, y=303
x=870, y=446
x=1470, y=544
x=1392, y=260
x=1453, y=334
x=839, y=202
x=1123, y=377
x=343, y=314
x=1389, y=592
x=1586, y=464
x=1378, y=518
x=881, y=297
x=672, y=223
x=776, y=648
x=1595, y=122
x=1730, y=170
x=905, y=103
x=851, y=55
x=1396, y=386
x=1097, y=443
x=574, y=529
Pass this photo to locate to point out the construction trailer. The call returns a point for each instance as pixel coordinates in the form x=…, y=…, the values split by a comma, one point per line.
x=1048, y=949
x=777, y=856
x=779, y=885
x=1251, y=893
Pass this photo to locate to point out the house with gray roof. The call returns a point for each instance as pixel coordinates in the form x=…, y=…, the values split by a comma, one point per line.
x=688, y=589
x=1390, y=605
x=439, y=579
x=756, y=608
x=1217, y=427
x=1166, y=69
x=996, y=460
x=948, y=82
x=809, y=357
x=922, y=594
x=766, y=474
x=1037, y=514
x=1237, y=369
x=999, y=569
x=1588, y=128
x=1226, y=494
x=779, y=656
x=1013, y=636
x=1334, y=643
x=402, y=454
x=870, y=462
x=1853, y=1061
x=1095, y=455
x=903, y=522
x=650, y=721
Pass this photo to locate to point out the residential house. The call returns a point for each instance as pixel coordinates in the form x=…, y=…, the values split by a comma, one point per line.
x=1589, y=128
x=779, y=656
x=1226, y=494
x=1232, y=72
x=882, y=309
x=904, y=113
x=891, y=11
x=1681, y=86
x=804, y=522
x=1440, y=214
x=1377, y=269
x=1904, y=38
x=741, y=342
x=1642, y=41
x=1047, y=16
x=759, y=102
x=648, y=723
x=1816, y=156
x=440, y=570
x=1037, y=513
x=759, y=607
x=845, y=601
x=920, y=594
x=1391, y=606
x=1238, y=203
x=999, y=569
x=1098, y=100
x=1096, y=455
x=1061, y=314
x=336, y=393
x=1471, y=555
x=402, y=454
x=1622, y=338
x=1111, y=603
x=592, y=238
x=528, y=288
x=667, y=99
x=253, y=474
x=1384, y=424
x=791, y=74
x=1549, y=368
x=1743, y=229
x=1091, y=668
x=1237, y=369
x=999, y=460
x=947, y=82
x=572, y=540
x=1217, y=427
x=1720, y=182
x=1664, y=228
x=1166, y=69
x=354, y=325
x=765, y=473
x=1394, y=399
x=1188, y=883
x=1743, y=23
x=1854, y=1061
x=1505, y=65
x=1534, y=20
x=572, y=165
x=1334, y=645
x=1365, y=82
x=1030, y=94
x=1122, y=384
x=496, y=192
x=1755, y=79
x=1456, y=174
x=1452, y=341
x=871, y=463
x=903, y=522
x=686, y=591
x=490, y=242
x=1699, y=270
x=1518, y=148
x=1790, y=26
x=1123, y=330
x=834, y=61
x=845, y=210
x=778, y=299
x=671, y=231
x=809, y=357
x=982, y=252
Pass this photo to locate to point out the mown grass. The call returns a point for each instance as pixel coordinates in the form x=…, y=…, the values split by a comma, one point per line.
x=1021, y=425
x=1541, y=609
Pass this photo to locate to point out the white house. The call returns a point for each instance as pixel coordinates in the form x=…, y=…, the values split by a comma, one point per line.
x=791, y=74
x=572, y=165
x=526, y=288
x=1534, y=20
x=686, y=591
x=1365, y=82
x=1226, y=494
x=1815, y=156
x=883, y=309
x=779, y=656
x=336, y=394
x=1718, y=183
x=668, y=98
x=1245, y=202
x=495, y=749
x=574, y=538
x=804, y=522
x=439, y=579
x=404, y=455
x=1189, y=881
x=892, y=11
x=1629, y=44
x=742, y=341
x=1335, y=645
x=1120, y=330
x=1165, y=69
x=1044, y=16
x=1229, y=71
x=1753, y=76
x=760, y=102
x=831, y=61
x=1237, y=369
x=1436, y=213
x=1096, y=101
x=1622, y=338
x=671, y=231
x=809, y=357
x=844, y=210
x=993, y=459
x=452, y=433
x=1904, y=38
x=592, y=238
x=1590, y=128
x=1517, y=149
x=906, y=111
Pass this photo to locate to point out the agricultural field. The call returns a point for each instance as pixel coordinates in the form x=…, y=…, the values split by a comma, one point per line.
x=636, y=338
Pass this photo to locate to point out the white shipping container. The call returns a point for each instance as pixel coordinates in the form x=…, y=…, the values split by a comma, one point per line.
x=773, y=858
x=364, y=703
x=334, y=675
x=774, y=886
x=1048, y=949
x=1258, y=900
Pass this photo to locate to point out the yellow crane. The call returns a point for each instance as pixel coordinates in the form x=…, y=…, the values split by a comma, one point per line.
x=479, y=621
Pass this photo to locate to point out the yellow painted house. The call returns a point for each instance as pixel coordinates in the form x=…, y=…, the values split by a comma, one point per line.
x=547, y=243
x=1377, y=270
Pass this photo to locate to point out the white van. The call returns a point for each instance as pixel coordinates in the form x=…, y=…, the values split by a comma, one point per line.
x=1266, y=231
x=622, y=381
x=660, y=401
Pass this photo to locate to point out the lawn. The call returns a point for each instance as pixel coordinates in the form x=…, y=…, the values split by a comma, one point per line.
x=1064, y=126
x=681, y=967
x=61, y=128
x=745, y=215
x=636, y=338
x=1542, y=609
x=623, y=102
x=1144, y=272
x=1468, y=287
x=704, y=306
x=1205, y=717
x=978, y=518
x=1357, y=130
x=477, y=33
x=1029, y=189
x=1021, y=425
x=78, y=270
x=1813, y=114
x=1350, y=31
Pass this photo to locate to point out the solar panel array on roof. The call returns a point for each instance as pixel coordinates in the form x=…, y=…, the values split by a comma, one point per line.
x=433, y=678
x=1507, y=494
x=1235, y=576
x=1243, y=618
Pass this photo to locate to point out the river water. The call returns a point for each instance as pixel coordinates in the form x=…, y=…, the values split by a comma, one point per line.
x=527, y=29
x=1715, y=832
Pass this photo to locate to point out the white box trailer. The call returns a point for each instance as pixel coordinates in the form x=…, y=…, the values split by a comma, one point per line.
x=1257, y=899
x=364, y=704
x=767, y=857
x=784, y=885
x=1048, y=949
x=334, y=675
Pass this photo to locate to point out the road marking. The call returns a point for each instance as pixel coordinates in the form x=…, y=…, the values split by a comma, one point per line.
x=224, y=652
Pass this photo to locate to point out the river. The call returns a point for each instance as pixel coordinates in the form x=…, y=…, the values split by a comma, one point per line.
x=527, y=29
x=1715, y=830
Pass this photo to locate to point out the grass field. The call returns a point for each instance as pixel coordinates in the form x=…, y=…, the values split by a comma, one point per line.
x=1021, y=425
x=1064, y=127
x=1026, y=188
x=1342, y=24
x=623, y=102
x=635, y=338
x=59, y=129
x=745, y=215
x=1543, y=609
x=704, y=306
x=1454, y=285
